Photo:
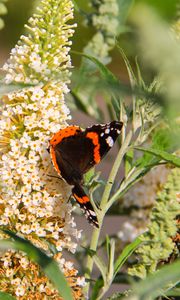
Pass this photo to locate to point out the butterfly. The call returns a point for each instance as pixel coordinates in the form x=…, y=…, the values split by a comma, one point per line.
x=75, y=151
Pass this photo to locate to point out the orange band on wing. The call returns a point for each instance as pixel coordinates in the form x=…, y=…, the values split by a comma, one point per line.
x=95, y=139
x=63, y=133
x=81, y=200
x=53, y=158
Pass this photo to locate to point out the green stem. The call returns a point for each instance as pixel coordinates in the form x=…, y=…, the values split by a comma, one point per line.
x=114, y=171
x=124, y=187
x=103, y=205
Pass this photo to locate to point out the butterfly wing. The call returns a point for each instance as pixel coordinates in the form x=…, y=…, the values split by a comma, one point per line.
x=103, y=138
x=85, y=204
x=74, y=152
x=71, y=154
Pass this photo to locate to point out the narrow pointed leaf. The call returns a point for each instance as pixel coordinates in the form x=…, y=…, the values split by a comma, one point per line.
x=108, y=245
x=152, y=286
x=101, y=266
x=171, y=158
x=128, y=250
x=79, y=102
x=96, y=288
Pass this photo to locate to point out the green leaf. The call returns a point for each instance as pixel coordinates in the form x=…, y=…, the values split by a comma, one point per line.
x=89, y=251
x=164, y=139
x=117, y=296
x=110, y=274
x=101, y=266
x=83, y=95
x=89, y=175
x=132, y=77
x=49, y=266
x=113, y=84
x=167, y=9
x=5, y=296
x=96, y=288
x=105, y=72
x=152, y=286
x=124, y=7
x=79, y=102
x=116, y=106
x=127, y=251
x=175, y=292
x=175, y=160
x=108, y=245
x=128, y=160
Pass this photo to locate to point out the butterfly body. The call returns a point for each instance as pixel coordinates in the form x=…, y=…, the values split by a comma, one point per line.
x=74, y=151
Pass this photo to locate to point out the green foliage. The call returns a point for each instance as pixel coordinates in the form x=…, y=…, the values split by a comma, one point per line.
x=157, y=241
x=166, y=9
x=157, y=47
x=127, y=251
x=157, y=284
x=146, y=116
x=3, y=11
x=5, y=296
x=49, y=266
x=161, y=283
x=175, y=160
x=148, y=105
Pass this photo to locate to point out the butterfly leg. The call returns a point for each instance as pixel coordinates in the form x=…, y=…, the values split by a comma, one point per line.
x=53, y=176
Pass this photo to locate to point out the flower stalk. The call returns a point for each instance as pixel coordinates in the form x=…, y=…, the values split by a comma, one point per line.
x=104, y=204
x=32, y=203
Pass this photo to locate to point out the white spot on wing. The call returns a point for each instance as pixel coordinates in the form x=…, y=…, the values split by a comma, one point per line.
x=109, y=141
x=107, y=130
x=92, y=213
x=102, y=134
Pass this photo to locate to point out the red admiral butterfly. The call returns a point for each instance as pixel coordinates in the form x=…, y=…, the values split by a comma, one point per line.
x=74, y=151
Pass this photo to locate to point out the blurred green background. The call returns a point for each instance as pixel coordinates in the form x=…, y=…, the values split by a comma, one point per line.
x=20, y=10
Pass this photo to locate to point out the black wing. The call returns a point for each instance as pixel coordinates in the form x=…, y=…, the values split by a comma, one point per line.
x=76, y=154
x=107, y=135
x=85, y=204
x=73, y=155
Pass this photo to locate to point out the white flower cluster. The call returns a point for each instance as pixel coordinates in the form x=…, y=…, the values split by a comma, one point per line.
x=143, y=196
x=29, y=195
x=106, y=22
x=32, y=203
x=43, y=54
x=144, y=192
